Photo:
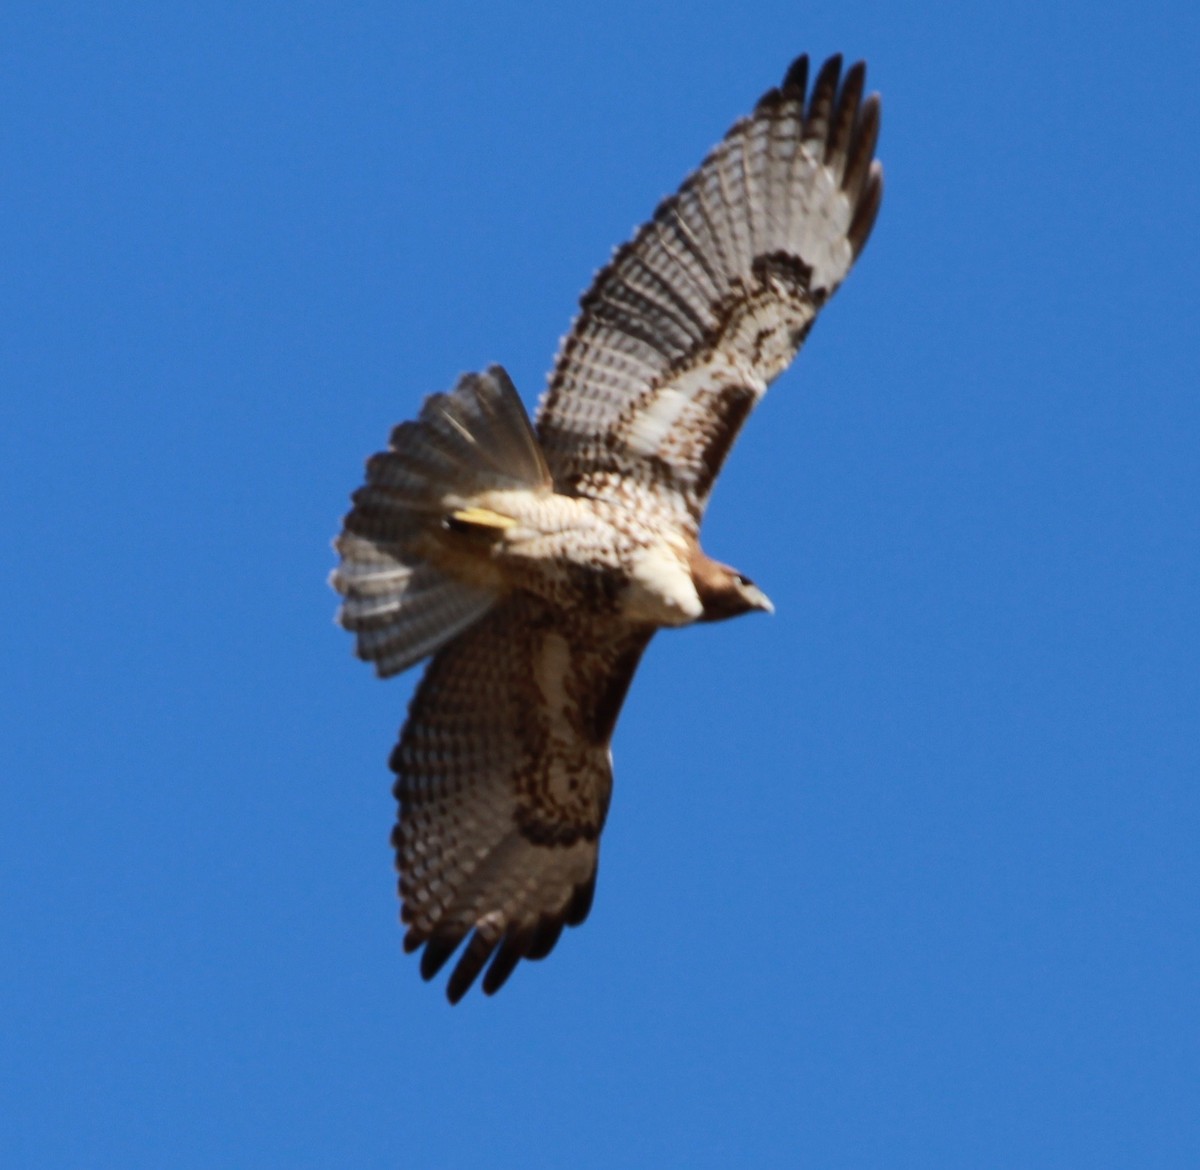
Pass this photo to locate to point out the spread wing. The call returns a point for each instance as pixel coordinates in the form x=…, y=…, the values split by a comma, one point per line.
x=680, y=335
x=503, y=778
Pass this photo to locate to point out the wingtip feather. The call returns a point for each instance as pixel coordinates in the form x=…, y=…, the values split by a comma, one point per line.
x=796, y=78
x=467, y=969
x=867, y=209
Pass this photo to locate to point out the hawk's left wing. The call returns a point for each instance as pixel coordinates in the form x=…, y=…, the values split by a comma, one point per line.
x=680, y=335
x=503, y=778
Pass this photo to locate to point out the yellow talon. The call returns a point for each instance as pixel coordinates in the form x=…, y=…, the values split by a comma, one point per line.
x=481, y=518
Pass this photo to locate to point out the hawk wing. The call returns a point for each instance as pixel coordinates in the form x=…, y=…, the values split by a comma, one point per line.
x=503, y=778
x=680, y=335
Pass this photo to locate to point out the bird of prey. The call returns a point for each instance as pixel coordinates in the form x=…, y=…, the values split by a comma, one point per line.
x=536, y=562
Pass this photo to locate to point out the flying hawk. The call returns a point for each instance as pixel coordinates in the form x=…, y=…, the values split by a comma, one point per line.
x=535, y=563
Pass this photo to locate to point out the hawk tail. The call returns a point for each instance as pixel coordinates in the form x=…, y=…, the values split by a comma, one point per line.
x=402, y=596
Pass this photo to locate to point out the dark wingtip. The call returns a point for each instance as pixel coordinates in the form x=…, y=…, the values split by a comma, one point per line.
x=437, y=950
x=855, y=78
x=796, y=77
x=545, y=935
x=580, y=904
x=867, y=209
x=830, y=71
x=825, y=84
x=846, y=111
x=469, y=965
x=861, y=148
x=511, y=952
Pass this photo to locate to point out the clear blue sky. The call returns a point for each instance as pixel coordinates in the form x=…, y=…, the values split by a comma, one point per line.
x=906, y=875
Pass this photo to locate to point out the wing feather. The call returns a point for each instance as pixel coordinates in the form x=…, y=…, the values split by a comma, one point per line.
x=503, y=780
x=681, y=333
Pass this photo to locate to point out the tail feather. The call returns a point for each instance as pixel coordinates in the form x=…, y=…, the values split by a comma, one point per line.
x=484, y=424
x=475, y=439
x=402, y=613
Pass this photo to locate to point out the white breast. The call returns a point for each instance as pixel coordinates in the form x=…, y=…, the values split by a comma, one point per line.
x=660, y=589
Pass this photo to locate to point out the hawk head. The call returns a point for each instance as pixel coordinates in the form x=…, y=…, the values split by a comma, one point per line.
x=724, y=592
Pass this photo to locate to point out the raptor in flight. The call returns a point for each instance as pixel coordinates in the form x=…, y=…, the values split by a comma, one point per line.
x=535, y=563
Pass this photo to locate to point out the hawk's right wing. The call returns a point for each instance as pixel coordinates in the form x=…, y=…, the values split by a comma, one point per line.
x=681, y=333
x=503, y=778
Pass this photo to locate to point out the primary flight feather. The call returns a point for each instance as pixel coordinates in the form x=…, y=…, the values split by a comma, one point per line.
x=536, y=563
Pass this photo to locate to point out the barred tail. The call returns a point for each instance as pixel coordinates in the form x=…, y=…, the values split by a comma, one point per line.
x=402, y=597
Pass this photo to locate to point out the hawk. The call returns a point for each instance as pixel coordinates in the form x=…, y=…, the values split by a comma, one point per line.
x=536, y=562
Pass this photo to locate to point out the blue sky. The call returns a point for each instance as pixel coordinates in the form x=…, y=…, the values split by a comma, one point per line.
x=905, y=875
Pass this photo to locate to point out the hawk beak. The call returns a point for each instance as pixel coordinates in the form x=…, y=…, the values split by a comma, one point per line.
x=758, y=599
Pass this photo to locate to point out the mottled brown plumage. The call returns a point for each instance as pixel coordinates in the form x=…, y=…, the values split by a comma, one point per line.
x=536, y=567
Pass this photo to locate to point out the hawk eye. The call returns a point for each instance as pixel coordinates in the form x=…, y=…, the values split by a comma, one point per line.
x=743, y=580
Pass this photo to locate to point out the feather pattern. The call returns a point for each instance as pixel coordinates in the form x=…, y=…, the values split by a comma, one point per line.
x=682, y=332
x=503, y=779
x=536, y=568
x=401, y=604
